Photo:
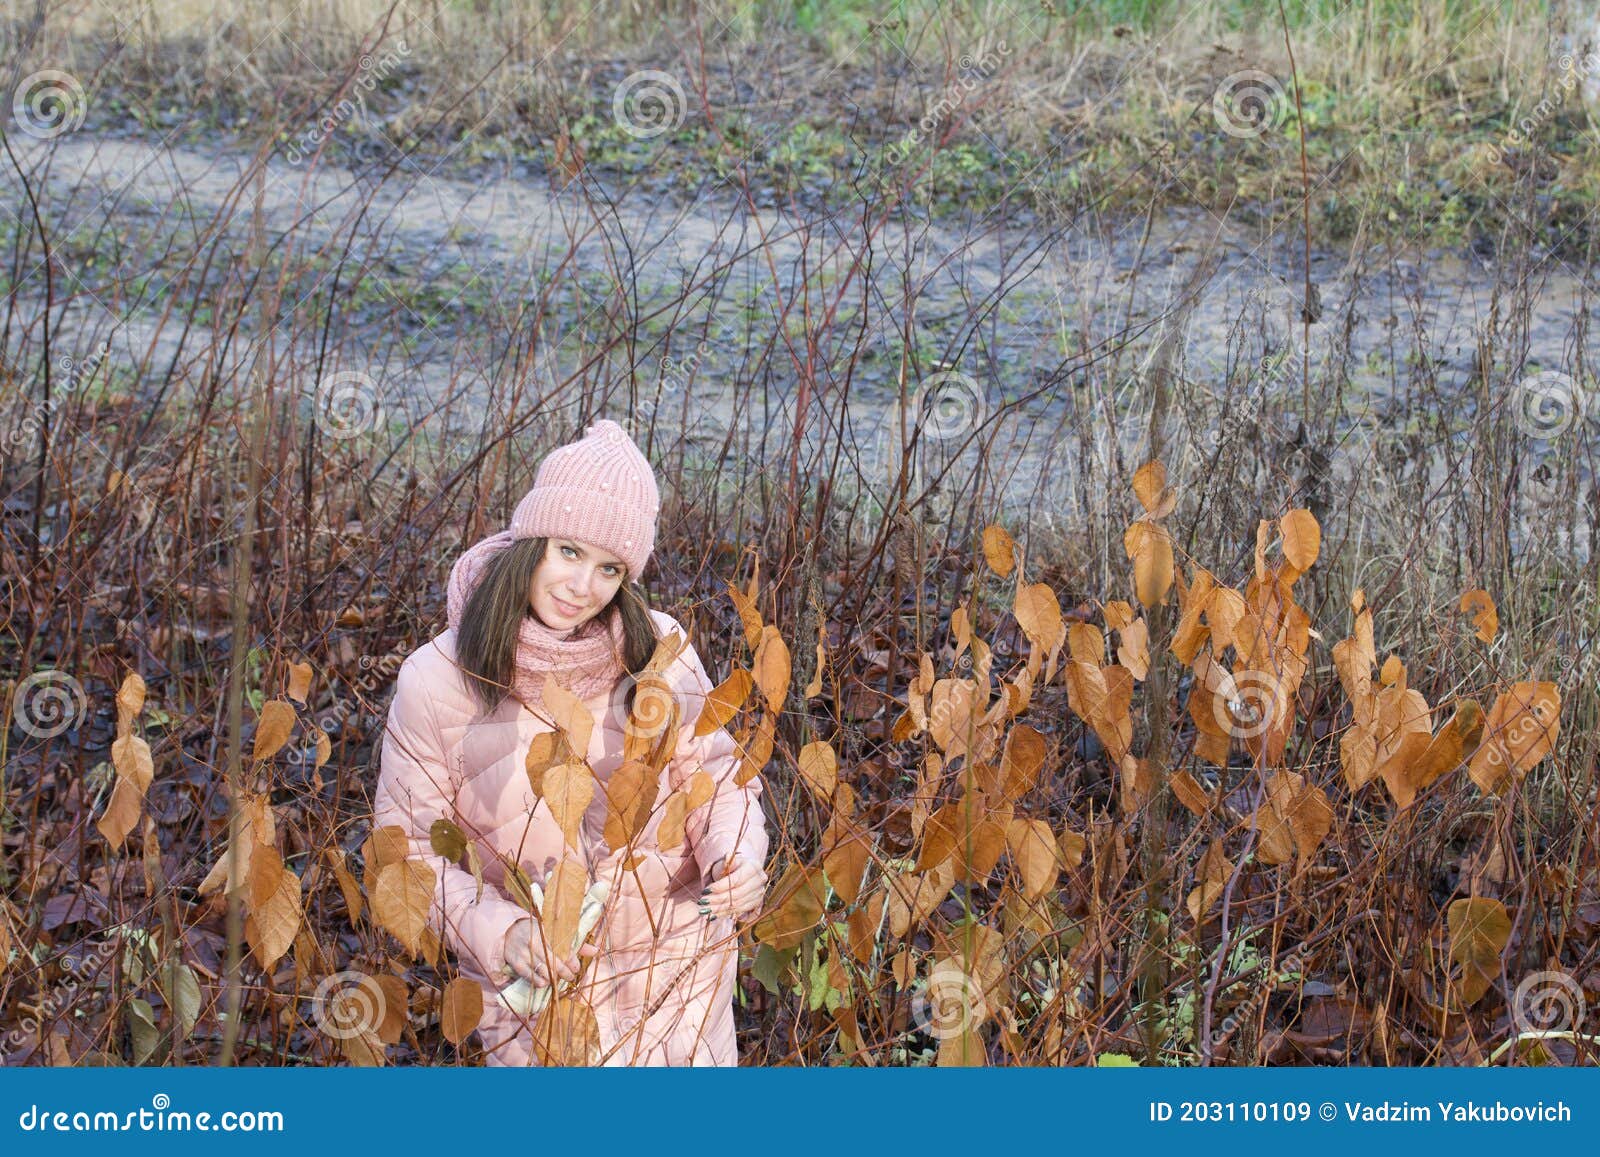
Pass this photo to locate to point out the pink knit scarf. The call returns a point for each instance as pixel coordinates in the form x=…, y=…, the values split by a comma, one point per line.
x=586, y=661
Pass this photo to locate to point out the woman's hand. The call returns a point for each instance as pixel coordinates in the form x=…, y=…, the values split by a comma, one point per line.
x=736, y=888
x=529, y=956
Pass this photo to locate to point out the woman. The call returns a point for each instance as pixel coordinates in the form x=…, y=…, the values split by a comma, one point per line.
x=556, y=596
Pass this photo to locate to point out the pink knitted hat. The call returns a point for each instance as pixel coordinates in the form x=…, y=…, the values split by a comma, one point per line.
x=600, y=490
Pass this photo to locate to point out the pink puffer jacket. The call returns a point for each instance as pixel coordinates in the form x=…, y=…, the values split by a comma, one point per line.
x=444, y=757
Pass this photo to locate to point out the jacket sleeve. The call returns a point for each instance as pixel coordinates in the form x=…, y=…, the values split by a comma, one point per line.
x=733, y=819
x=415, y=789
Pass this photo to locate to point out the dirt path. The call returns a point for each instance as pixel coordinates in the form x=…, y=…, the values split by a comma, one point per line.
x=508, y=235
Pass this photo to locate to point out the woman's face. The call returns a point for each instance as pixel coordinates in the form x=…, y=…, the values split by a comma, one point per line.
x=573, y=583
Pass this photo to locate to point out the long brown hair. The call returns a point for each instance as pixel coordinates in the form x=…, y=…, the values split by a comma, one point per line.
x=486, y=638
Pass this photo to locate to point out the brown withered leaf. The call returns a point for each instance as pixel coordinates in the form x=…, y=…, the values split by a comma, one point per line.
x=913, y=896
x=819, y=769
x=272, y=728
x=630, y=797
x=1192, y=631
x=1072, y=845
x=669, y=833
x=568, y=791
x=273, y=912
x=863, y=924
x=400, y=897
x=1034, y=851
x=570, y=715
x=700, y=788
x=1485, y=618
x=122, y=813
x=950, y=715
x=460, y=1009
x=564, y=888
x=1117, y=614
x=1302, y=539
x=1212, y=875
x=749, y=617
x=845, y=861
x=567, y=1034
x=1021, y=762
x=347, y=883
x=1521, y=730
x=386, y=845
x=1479, y=931
x=1420, y=759
x=814, y=688
x=1133, y=648
x=545, y=750
x=130, y=701
x=1149, y=547
x=773, y=668
x=794, y=907
x=999, y=550
x=724, y=701
x=299, y=682
x=1038, y=613
x=1086, y=644
x=756, y=749
x=1150, y=488
x=1189, y=792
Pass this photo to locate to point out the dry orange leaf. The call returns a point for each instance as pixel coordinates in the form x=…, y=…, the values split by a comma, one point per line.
x=1479, y=931
x=1150, y=488
x=399, y=897
x=1033, y=850
x=1038, y=613
x=1149, y=546
x=999, y=550
x=724, y=701
x=299, y=682
x=1213, y=873
x=1485, y=618
x=669, y=834
x=568, y=791
x=1521, y=730
x=819, y=767
x=772, y=667
x=630, y=796
x=1302, y=538
x=570, y=715
x=272, y=728
x=273, y=914
x=461, y=1008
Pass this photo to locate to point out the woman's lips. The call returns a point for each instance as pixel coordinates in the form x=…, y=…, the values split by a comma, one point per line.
x=566, y=608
